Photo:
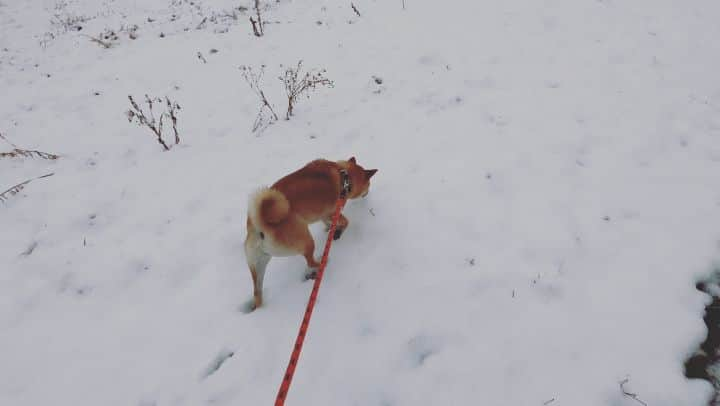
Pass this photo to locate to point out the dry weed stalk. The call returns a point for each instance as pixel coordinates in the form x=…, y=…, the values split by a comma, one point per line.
x=104, y=44
x=27, y=153
x=631, y=395
x=257, y=26
x=156, y=126
x=297, y=84
x=4, y=196
x=254, y=80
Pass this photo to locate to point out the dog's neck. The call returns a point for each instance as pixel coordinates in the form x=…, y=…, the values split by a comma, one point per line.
x=345, y=183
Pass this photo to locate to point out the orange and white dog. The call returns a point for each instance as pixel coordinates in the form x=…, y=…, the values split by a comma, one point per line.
x=278, y=216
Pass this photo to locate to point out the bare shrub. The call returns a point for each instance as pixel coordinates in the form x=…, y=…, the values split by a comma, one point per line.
x=149, y=121
x=254, y=80
x=63, y=21
x=298, y=84
x=27, y=153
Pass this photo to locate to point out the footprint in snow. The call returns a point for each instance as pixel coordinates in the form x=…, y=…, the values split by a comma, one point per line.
x=422, y=347
x=217, y=362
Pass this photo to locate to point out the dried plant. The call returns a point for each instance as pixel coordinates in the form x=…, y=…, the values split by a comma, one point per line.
x=104, y=44
x=631, y=395
x=254, y=80
x=65, y=22
x=172, y=109
x=17, y=152
x=4, y=196
x=27, y=153
x=297, y=84
x=257, y=25
x=149, y=121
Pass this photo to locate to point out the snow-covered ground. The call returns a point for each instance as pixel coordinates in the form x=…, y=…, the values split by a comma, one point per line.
x=547, y=197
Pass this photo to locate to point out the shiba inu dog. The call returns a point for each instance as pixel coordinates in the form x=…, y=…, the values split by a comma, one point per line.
x=278, y=216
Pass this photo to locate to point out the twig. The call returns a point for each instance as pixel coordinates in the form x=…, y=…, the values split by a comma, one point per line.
x=201, y=57
x=202, y=23
x=547, y=402
x=355, y=9
x=7, y=140
x=28, y=154
x=631, y=395
x=20, y=186
x=29, y=249
x=254, y=27
x=98, y=41
x=25, y=152
x=172, y=107
x=257, y=26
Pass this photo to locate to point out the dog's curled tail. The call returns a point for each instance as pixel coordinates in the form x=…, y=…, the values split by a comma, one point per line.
x=268, y=207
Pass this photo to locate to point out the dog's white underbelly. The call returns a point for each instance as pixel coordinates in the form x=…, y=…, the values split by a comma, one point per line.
x=275, y=250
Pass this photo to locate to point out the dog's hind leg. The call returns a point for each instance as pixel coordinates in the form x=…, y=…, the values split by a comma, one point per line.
x=258, y=275
x=304, y=244
x=257, y=261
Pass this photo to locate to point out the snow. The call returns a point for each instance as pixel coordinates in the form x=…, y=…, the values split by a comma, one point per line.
x=545, y=201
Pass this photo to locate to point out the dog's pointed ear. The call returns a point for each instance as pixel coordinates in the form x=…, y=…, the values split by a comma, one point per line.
x=370, y=172
x=352, y=160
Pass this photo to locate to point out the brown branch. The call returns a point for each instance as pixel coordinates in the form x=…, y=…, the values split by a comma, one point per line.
x=17, y=152
x=28, y=153
x=355, y=10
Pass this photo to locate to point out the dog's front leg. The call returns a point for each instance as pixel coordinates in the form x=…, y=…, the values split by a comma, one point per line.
x=342, y=224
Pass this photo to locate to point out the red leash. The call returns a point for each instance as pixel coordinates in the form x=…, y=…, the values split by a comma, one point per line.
x=287, y=379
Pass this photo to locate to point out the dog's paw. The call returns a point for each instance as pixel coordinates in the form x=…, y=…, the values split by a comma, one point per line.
x=310, y=274
x=247, y=307
x=338, y=233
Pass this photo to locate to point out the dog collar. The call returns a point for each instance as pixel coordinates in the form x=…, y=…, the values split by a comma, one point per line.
x=345, y=183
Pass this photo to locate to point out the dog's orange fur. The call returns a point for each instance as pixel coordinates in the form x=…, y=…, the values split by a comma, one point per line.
x=278, y=217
